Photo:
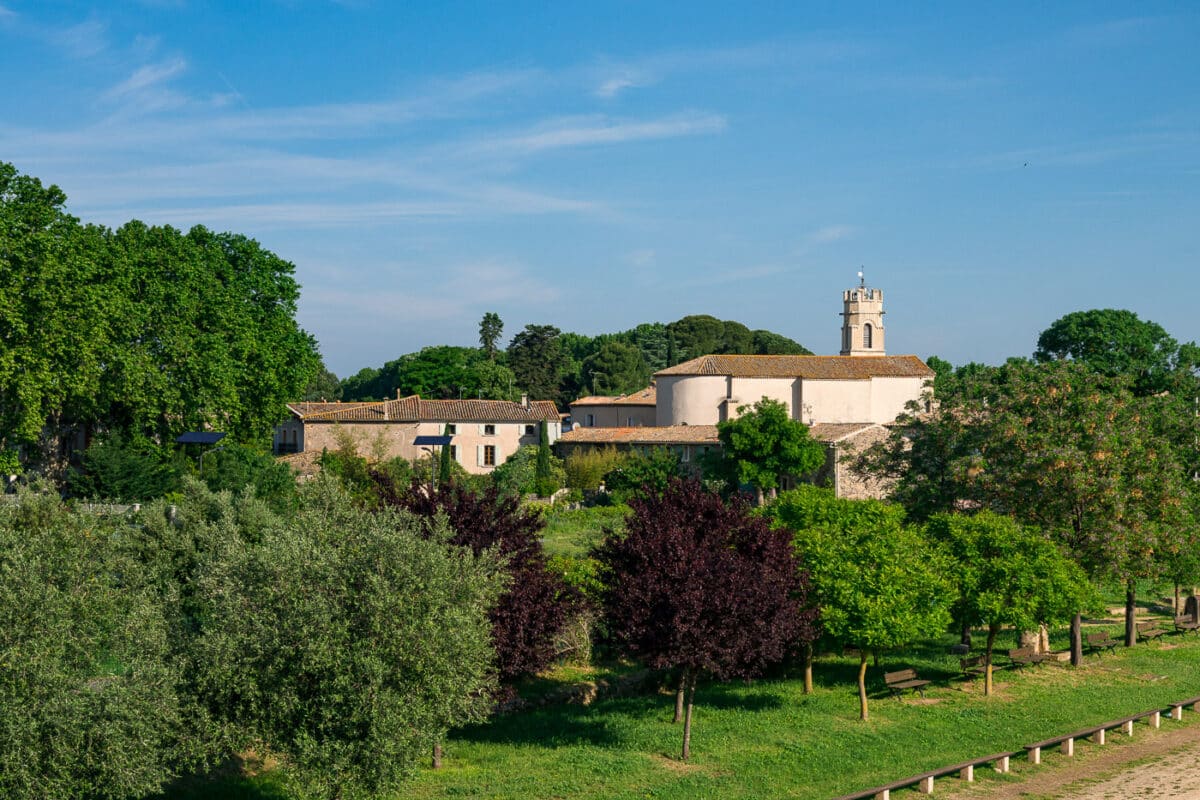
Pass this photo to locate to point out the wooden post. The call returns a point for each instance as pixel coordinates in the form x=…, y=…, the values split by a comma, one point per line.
x=926, y=785
x=1068, y=747
x=1002, y=765
x=1035, y=755
x=1155, y=720
x=1098, y=736
x=1128, y=727
x=884, y=795
x=967, y=773
x=1176, y=713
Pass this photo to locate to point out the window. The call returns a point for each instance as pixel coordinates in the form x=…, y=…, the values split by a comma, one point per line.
x=451, y=429
x=453, y=452
x=867, y=336
x=489, y=455
x=489, y=430
x=529, y=430
x=685, y=454
x=591, y=420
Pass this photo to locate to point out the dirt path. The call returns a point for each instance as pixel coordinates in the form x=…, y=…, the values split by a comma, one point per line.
x=1160, y=764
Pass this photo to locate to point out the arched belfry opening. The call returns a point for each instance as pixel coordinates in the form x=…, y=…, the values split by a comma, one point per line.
x=862, y=320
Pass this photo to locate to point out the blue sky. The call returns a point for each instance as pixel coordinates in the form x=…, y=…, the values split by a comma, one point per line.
x=593, y=166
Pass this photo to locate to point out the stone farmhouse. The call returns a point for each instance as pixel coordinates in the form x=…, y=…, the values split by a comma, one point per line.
x=847, y=400
x=483, y=432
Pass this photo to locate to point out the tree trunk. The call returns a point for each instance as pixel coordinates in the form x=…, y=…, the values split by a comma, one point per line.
x=687, y=719
x=437, y=755
x=1178, y=608
x=987, y=666
x=759, y=498
x=965, y=636
x=1130, y=629
x=679, y=696
x=1077, y=640
x=862, y=685
x=808, y=659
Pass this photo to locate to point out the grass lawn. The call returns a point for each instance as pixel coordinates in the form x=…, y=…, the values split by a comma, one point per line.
x=574, y=532
x=768, y=739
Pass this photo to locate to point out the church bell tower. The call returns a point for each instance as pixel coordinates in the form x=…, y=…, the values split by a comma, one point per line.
x=862, y=320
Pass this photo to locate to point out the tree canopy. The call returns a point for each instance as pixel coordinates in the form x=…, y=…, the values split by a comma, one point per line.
x=1113, y=342
x=142, y=329
x=702, y=586
x=763, y=445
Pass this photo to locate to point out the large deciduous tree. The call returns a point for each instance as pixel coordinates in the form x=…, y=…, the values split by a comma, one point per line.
x=1057, y=446
x=704, y=587
x=1115, y=343
x=145, y=330
x=763, y=445
x=616, y=368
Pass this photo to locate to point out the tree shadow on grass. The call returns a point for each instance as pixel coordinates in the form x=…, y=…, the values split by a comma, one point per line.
x=737, y=697
x=233, y=779
x=554, y=726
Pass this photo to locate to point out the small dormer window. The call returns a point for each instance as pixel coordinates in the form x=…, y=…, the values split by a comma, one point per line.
x=867, y=336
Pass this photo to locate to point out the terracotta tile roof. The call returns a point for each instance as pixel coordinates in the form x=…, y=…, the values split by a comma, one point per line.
x=668, y=434
x=830, y=432
x=413, y=409
x=646, y=397
x=488, y=411
x=811, y=367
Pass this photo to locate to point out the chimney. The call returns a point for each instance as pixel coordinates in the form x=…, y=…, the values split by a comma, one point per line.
x=525, y=400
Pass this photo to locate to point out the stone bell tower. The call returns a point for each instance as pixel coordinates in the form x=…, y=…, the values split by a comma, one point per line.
x=862, y=320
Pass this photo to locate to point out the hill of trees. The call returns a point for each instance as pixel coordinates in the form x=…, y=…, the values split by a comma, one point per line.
x=548, y=363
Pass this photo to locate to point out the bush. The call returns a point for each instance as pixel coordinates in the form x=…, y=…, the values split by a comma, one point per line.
x=126, y=470
x=234, y=467
x=585, y=470
x=87, y=687
x=643, y=474
x=518, y=475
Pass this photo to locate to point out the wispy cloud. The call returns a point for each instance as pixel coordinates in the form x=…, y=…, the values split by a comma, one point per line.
x=588, y=131
x=7, y=13
x=83, y=40
x=146, y=77
x=831, y=233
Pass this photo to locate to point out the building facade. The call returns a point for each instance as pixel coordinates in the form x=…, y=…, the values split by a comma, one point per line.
x=483, y=432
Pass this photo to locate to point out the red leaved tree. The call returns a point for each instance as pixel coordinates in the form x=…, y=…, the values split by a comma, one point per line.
x=701, y=586
x=537, y=603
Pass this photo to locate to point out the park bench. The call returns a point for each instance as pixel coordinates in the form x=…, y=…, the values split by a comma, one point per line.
x=903, y=679
x=1149, y=630
x=1025, y=656
x=1186, y=623
x=1096, y=642
x=973, y=666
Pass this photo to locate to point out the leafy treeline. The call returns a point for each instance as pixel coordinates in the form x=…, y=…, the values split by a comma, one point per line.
x=144, y=330
x=548, y=364
x=1093, y=443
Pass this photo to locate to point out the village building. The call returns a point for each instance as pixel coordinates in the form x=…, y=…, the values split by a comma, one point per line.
x=847, y=400
x=483, y=433
x=635, y=410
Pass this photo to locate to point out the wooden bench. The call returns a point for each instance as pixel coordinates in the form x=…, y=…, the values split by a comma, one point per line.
x=1149, y=630
x=1097, y=642
x=903, y=679
x=924, y=781
x=1177, y=708
x=1186, y=623
x=973, y=666
x=1025, y=656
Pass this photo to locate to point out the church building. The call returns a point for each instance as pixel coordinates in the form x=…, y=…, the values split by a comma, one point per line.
x=846, y=400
